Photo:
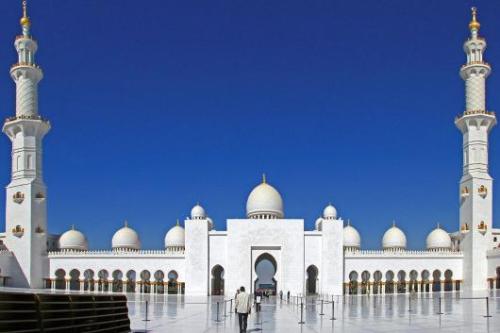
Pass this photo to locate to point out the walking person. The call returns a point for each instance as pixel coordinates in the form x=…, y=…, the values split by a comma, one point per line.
x=257, y=303
x=243, y=308
x=236, y=296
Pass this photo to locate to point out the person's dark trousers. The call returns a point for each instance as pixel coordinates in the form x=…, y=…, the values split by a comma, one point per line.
x=242, y=317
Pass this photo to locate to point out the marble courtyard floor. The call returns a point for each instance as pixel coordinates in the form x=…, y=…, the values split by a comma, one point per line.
x=388, y=313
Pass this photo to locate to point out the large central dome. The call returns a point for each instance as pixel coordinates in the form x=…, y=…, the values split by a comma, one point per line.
x=264, y=202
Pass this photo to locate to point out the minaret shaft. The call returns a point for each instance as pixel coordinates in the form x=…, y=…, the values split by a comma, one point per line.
x=26, y=217
x=475, y=92
x=476, y=185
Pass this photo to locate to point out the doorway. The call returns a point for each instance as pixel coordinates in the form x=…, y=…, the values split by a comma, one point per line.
x=312, y=280
x=218, y=280
x=265, y=269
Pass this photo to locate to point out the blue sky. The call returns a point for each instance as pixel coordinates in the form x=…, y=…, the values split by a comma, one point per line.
x=157, y=105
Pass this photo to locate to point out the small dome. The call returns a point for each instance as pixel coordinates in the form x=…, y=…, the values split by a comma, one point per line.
x=264, y=202
x=330, y=213
x=175, y=237
x=319, y=224
x=352, y=239
x=394, y=239
x=198, y=212
x=73, y=240
x=126, y=238
x=438, y=239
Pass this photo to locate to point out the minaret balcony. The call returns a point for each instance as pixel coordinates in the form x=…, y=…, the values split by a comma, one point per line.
x=475, y=68
x=32, y=117
x=24, y=64
x=475, y=118
x=474, y=113
x=475, y=63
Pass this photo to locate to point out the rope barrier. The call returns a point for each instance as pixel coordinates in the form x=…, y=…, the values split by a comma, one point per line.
x=224, y=302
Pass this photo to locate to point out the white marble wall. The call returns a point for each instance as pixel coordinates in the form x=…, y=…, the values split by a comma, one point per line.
x=282, y=238
x=332, y=255
x=197, y=250
x=217, y=254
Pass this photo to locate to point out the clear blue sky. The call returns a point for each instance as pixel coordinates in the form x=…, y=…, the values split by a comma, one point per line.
x=156, y=105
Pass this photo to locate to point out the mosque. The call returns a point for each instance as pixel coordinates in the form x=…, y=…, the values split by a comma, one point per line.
x=199, y=260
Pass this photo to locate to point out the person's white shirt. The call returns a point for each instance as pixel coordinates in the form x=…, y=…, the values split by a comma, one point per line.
x=242, y=303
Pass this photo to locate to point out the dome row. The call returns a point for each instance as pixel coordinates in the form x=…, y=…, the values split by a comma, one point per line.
x=127, y=238
x=395, y=239
x=264, y=202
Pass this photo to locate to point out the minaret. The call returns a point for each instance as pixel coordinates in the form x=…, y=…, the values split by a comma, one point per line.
x=26, y=217
x=476, y=185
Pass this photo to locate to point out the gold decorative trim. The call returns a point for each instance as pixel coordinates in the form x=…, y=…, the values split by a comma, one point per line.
x=18, y=231
x=18, y=197
x=483, y=191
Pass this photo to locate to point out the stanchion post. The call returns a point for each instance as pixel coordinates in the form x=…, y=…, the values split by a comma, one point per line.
x=225, y=308
x=147, y=311
x=440, y=313
x=301, y=313
x=321, y=308
x=231, y=307
x=487, y=308
x=333, y=310
x=217, y=318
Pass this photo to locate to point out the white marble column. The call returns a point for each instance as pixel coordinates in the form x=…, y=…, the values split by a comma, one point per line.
x=124, y=285
x=138, y=286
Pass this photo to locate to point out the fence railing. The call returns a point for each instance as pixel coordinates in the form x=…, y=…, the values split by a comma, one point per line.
x=36, y=312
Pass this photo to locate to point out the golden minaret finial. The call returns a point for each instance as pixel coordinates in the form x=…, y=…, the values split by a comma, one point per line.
x=25, y=20
x=474, y=23
x=263, y=178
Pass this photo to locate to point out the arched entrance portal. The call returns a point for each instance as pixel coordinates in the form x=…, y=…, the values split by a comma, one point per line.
x=218, y=280
x=312, y=280
x=265, y=268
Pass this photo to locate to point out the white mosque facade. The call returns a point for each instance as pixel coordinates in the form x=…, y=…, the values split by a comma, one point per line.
x=198, y=260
